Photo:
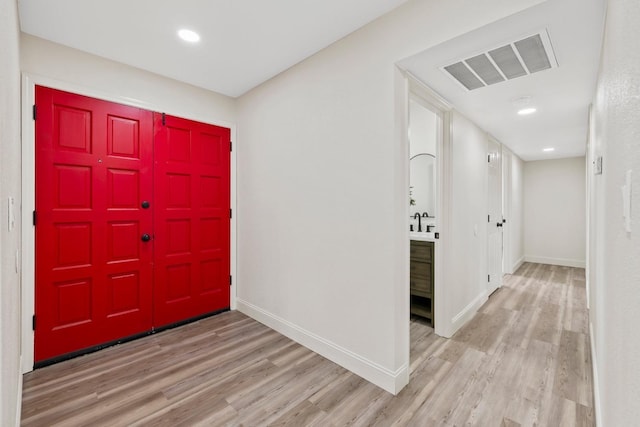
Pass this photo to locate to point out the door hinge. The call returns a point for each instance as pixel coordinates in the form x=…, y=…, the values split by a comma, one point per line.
x=35, y=109
x=33, y=322
x=230, y=280
x=488, y=278
x=34, y=218
x=230, y=213
x=164, y=119
x=230, y=145
x=488, y=218
x=488, y=158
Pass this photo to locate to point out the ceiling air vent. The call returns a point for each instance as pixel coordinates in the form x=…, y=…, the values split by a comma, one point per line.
x=519, y=58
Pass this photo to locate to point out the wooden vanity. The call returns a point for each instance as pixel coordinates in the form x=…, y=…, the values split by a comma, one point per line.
x=421, y=289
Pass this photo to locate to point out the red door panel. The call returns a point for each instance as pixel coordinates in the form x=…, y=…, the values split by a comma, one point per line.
x=93, y=273
x=192, y=219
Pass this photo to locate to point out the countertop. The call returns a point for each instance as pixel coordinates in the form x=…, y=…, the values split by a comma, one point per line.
x=422, y=236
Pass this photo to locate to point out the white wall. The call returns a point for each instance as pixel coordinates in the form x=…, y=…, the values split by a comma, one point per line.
x=517, y=225
x=57, y=66
x=322, y=192
x=466, y=287
x=10, y=373
x=423, y=130
x=614, y=280
x=554, y=211
x=95, y=74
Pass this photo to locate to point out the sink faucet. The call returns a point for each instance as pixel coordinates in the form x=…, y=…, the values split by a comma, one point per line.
x=428, y=226
x=417, y=216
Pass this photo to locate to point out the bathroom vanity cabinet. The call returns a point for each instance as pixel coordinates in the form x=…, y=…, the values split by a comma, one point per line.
x=421, y=268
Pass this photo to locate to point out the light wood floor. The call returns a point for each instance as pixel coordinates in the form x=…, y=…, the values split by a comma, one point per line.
x=523, y=360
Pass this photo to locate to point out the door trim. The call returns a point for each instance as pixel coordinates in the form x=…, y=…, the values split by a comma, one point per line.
x=29, y=82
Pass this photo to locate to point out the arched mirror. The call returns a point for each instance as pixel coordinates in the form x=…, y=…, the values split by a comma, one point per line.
x=423, y=134
x=423, y=192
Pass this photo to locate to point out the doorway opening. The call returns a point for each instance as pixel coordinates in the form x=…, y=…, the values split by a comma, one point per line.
x=425, y=129
x=428, y=122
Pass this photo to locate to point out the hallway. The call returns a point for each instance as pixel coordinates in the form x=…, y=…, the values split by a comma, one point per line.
x=523, y=360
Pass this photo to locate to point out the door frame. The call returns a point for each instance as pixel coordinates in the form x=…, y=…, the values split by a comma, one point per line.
x=420, y=92
x=29, y=82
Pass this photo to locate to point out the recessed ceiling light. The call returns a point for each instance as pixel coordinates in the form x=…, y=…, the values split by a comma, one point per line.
x=526, y=111
x=188, y=35
x=548, y=149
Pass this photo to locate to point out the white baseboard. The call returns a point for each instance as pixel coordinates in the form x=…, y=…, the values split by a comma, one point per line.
x=556, y=261
x=596, y=381
x=391, y=381
x=518, y=264
x=466, y=314
x=19, y=399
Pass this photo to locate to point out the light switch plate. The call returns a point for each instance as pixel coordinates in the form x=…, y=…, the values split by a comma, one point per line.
x=12, y=213
x=597, y=166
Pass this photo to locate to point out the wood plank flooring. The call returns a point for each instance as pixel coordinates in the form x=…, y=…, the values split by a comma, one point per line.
x=523, y=360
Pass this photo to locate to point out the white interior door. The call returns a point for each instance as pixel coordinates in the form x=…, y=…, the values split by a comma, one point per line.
x=494, y=218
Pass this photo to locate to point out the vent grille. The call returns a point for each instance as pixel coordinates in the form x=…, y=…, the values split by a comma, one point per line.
x=508, y=62
x=519, y=58
x=463, y=75
x=485, y=69
x=533, y=54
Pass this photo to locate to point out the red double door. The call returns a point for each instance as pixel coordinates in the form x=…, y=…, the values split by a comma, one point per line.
x=132, y=221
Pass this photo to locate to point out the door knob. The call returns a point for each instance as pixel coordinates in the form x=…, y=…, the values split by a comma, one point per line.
x=145, y=205
x=145, y=237
x=499, y=224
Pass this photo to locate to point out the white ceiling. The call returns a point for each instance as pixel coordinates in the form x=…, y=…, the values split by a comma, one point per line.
x=246, y=42
x=243, y=42
x=562, y=95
